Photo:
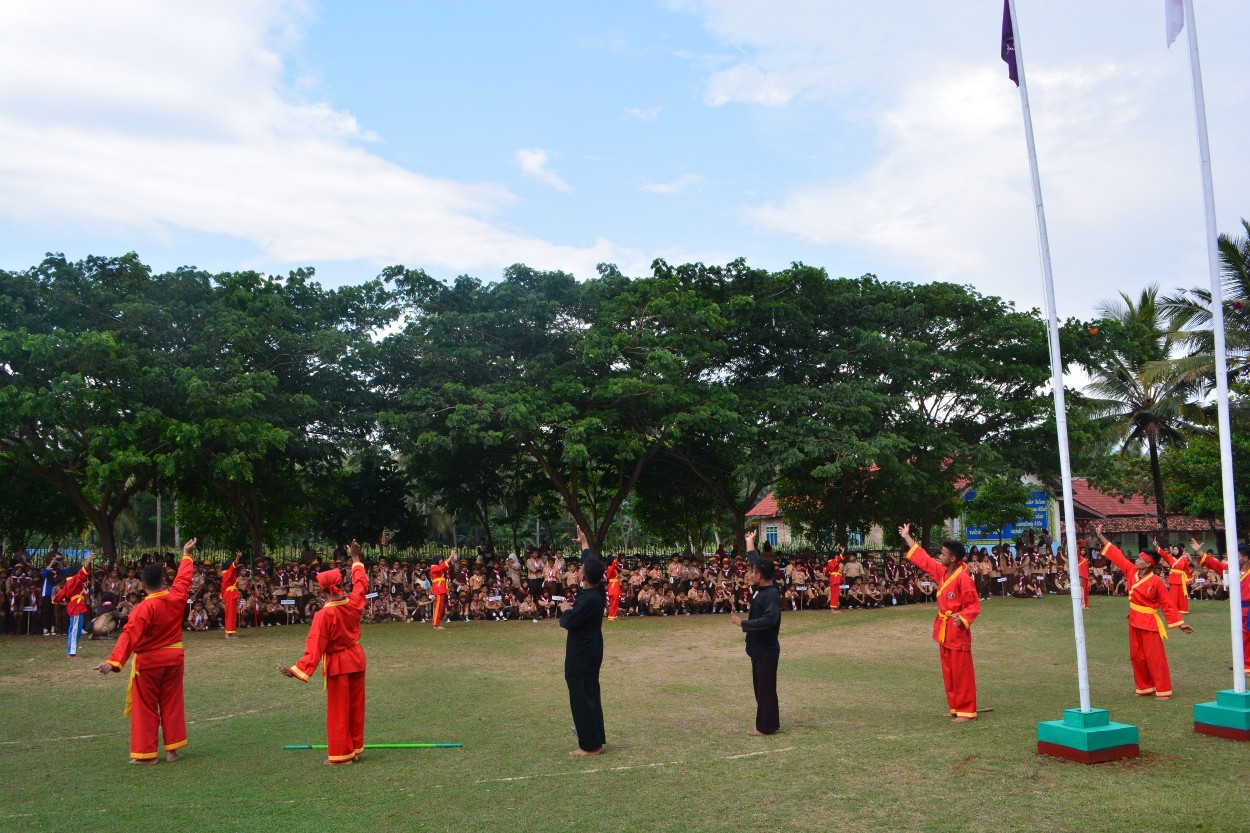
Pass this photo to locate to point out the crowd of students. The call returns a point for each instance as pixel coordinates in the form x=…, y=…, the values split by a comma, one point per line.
x=531, y=586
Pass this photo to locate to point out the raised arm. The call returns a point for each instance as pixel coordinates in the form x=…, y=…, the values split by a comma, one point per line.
x=186, y=569
x=917, y=555
x=360, y=579
x=1113, y=554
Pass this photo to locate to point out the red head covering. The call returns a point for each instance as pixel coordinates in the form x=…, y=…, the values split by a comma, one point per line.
x=331, y=580
x=1151, y=556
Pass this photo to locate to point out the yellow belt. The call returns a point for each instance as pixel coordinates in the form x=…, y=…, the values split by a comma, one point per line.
x=944, y=617
x=134, y=672
x=1163, y=629
x=231, y=587
x=1184, y=579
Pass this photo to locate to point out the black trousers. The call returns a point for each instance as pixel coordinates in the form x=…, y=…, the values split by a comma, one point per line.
x=764, y=678
x=586, y=706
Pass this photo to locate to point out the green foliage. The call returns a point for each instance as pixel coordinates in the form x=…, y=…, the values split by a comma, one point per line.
x=999, y=501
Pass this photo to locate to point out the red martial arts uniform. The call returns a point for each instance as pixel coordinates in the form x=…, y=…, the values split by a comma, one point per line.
x=834, y=572
x=614, y=591
x=957, y=599
x=153, y=633
x=1082, y=569
x=438, y=589
x=230, y=597
x=335, y=635
x=71, y=594
x=1147, y=597
x=1221, y=567
x=1179, y=579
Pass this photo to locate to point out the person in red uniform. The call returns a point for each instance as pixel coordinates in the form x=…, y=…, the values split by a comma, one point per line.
x=335, y=636
x=959, y=604
x=1181, y=575
x=71, y=595
x=833, y=571
x=230, y=597
x=614, y=590
x=1212, y=563
x=1082, y=569
x=1148, y=595
x=153, y=633
x=438, y=591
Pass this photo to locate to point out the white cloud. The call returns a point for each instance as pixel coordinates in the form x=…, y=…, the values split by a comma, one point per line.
x=679, y=185
x=141, y=116
x=534, y=163
x=643, y=114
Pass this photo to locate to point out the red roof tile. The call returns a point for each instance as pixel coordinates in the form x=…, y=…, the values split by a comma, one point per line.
x=1109, y=506
x=766, y=508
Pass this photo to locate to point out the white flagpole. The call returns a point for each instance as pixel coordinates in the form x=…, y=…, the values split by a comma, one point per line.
x=1221, y=362
x=1056, y=376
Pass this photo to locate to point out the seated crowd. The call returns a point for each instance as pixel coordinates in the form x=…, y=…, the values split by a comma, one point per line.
x=531, y=586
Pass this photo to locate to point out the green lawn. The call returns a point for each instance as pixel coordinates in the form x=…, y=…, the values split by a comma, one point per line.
x=865, y=742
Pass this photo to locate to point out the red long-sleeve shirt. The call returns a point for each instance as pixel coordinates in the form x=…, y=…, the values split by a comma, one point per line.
x=957, y=598
x=1146, y=595
x=335, y=633
x=71, y=594
x=154, y=629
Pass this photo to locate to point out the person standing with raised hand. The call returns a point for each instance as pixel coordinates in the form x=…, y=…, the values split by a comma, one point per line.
x=761, y=627
x=1148, y=595
x=959, y=604
x=230, y=597
x=153, y=633
x=71, y=595
x=1210, y=562
x=438, y=590
x=583, y=653
x=335, y=636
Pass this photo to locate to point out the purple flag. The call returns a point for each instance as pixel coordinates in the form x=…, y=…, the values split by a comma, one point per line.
x=1009, y=45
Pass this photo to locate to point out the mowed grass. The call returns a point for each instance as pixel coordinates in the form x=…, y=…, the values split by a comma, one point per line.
x=865, y=744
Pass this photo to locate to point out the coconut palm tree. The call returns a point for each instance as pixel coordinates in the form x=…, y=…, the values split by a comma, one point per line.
x=1189, y=315
x=1131, y=392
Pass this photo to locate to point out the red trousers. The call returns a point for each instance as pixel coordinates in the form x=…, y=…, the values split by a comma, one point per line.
x=960, y=681
x=345, y=716
x=157, y=704
x=1180, y=597
x=1084, y=594
x=835, y=592
x=440, y=603
x=1151, y=674
x=614, y=604
x=232, y=614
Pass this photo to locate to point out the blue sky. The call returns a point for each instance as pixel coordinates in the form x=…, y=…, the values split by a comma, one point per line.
x=463, y=137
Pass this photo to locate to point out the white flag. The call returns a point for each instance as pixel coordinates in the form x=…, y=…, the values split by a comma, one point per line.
x=1174, y=12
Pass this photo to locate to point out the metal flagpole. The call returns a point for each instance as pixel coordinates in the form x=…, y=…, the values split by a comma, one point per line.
x=1221, y=363
x=1056, y=376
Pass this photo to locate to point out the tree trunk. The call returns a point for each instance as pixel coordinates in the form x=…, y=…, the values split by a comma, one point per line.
x=1156, y=475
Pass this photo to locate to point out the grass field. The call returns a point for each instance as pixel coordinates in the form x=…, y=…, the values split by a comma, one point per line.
x=865, y=744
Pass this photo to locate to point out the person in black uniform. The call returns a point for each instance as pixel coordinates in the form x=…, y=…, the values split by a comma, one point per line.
x=583, y=653
x=762, y=645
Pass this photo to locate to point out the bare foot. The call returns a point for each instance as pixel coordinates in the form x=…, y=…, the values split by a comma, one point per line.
x=963, y=720
x=171, y=756
x=581, y=753
x=71, y=656
x=439, y=628
x=348, y=762
x=142, y=761
x=756, y=733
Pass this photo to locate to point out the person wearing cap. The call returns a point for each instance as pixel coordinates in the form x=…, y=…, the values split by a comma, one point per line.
x=438, y=590
x=335, y=637
x=1148, y=596
x=153, y=633
x=614, y=591
x=230, y=597
x=1212, y=563
x=72, y=596
x=761, y=627
x=959, y=604
x=583, y=653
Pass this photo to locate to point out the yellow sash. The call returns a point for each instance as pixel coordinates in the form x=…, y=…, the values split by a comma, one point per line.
x=134, y=672
x=1163, y=629
x=946, y=616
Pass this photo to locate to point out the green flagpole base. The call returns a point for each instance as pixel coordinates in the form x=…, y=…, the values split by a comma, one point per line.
x=1087, y=737
x=1228, y=717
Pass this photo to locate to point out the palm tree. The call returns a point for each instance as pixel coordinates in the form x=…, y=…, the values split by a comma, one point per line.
x=1190, y=316
x=1131, y=392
